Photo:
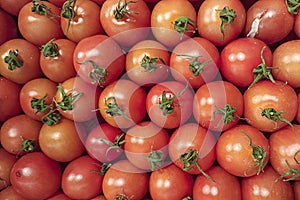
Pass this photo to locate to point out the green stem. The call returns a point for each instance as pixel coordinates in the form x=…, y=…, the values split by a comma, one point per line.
x=50, y=49
x=293, y=6
x=181, y=25
x=294, y=172
x=274, y=115
x=13, y=60
x=156, y=159
x=228, y=114
x=122, y=11
x=118, y=142
x=68, y=12
x=98, y=74
x=67, y=99
x=113, y=109
x=227, y=16
x=150, y=64
x=51, y=118
x=40, y=8
x=195, y=66
x=39, y=104
x=103, y=168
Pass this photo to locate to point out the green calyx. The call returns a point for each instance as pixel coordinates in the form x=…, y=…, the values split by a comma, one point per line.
x=228, y=114
x=50, y=49
x=150, y=64
x=116, y=145
x=227, y=16
x=13, y=60
x=68, y=12
x=98, y=74
x=294, y=173
x=113, y=109
x=274, y=115
x=103, y=168
x=293, y=6
x=52, y=117
x=195, y=66
x=122, y=11
x=40, y=8
x=156, y=159
x=67, y=99
x=181, y=25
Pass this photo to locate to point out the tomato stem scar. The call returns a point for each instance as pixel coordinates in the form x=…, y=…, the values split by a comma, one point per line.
x=181, y=25
x=50, y=49
x=274, y=115
x=122, y=11
x=195, y=65
x=13, y=60
x=150, y=64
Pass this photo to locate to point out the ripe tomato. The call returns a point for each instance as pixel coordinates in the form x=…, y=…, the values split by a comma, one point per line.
x=296, y=188
x=122, y=103
x=286, y=63
x=13, y=7
x=6, y=163
x=192, y=148
x=19, y=60
x=146, y=145
x=98, y=60
x=9, y=29
x=147, y=62
x=226, y=186
x=265, y=186
x=80, y=19
x=270, y=106
x=221, y=21
x=170, y=182
x=241, y=56
x=59, y=196
x=268, y=21
x=298, y=110
x=56, y=59
x=29, y=179
x=125, y=181
x=9, y=193
x=243, y=151
x=82, y=178
x=19, y=134
x=168, y=104
x=218, y=105
x=101, y=197
x=9, y=99
x=196, y=60
x=173, y=21
x=297, y=25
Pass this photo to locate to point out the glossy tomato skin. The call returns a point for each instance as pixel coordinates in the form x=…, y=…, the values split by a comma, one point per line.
x=264, y=95
x=170, y=182
x=10, y=193
x=240, y=57
x=297, y=25
x=13, y=7
x=163, y=17
x=6, y=163
x=59, y=196
x=234, y=152
x=192, y=137
x=209, y=21
x=105, y=53
x=286, y=65
x=211, y=97
x=80, y=179
x=226, y=186
x=298, y=111
x=181, y=105
x=28, y=53
x=205, y=53
x=9, y=99
x=296, y=188
x=9, y=29
x=274, y=21
x=129, y=29
x=265, y=186
x=124, y=179
x=29, y=179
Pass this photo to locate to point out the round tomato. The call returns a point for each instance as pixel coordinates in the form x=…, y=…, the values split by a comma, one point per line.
x=59, y=196
x=297, y=25
x=6, y=163
x=10, y=193
x=13, y=7
x=9, y=29
x=298, y=110
x=296, y=188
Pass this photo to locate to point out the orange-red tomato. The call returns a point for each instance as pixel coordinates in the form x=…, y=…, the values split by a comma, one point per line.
x=8, y=29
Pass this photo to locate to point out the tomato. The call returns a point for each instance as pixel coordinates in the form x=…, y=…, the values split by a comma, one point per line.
x=265, y=186
x=286, y=63
x=196, y=60
x=82, y=178
x=168, y=104
x=192, y=148
x=296, y=188
x=13, y=7
x=241, y=57
x=122, y=104
x=297, y=25
x=270, y=106
x=243, y=151
x=105, y=143
x=170, y=182
x=298, y=110
x=98, y=60
x=19, y=60
x=19, y=134
x=127, y=22
x=6, y=163
x=148, y=150
x=221, y=21
x=80, y=19
x=29, y=179
x=101, y=197
x=218, y=105
x=268, y=21
x=59, y=196
x=56, y=59
x=125, y=181
x=226, y=186
x=9, y=28
x=173, y=21
x=9, y=99
x=9, y=193
x=147, y=62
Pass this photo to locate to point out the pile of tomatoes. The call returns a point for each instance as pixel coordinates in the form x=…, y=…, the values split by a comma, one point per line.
x=133, y=99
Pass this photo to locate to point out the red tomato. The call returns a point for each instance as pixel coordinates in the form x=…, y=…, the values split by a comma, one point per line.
x=286, y=63
x=127, y=22
x=98, y=60
x=147, y=62
x=9, y=99
x=13, y=7
x=270, y=106
x=298, y=110
x=196, y=60
x=226, y=186
x=101, y=197
x=218, y=105
x=122, y=103
x=9, y=29
x=170, y=182
x=146, y=145
x=169, y=104
x=192, y=148
x=241, y=56
x=59, y=196
x=82, y=178
x=297, y=190
x=265, y=186
x=173, y=21
x=9, y=193
x=243, y=151
x=29, y=179
x=6, y=163
x=125, y=181
x=268, y=21
x=221, y=21
x=19, y=60
x=297, y=25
